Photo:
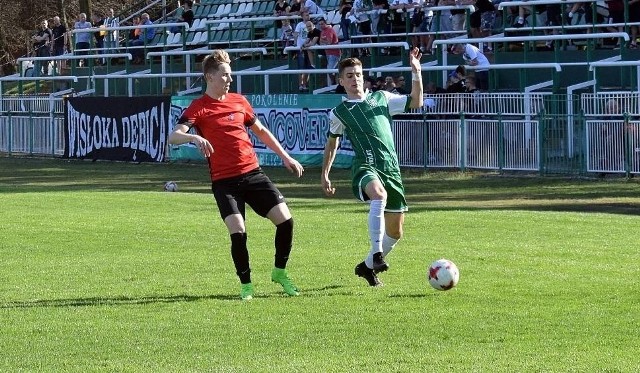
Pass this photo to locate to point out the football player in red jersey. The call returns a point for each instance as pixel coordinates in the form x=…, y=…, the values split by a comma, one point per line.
x=221, y=121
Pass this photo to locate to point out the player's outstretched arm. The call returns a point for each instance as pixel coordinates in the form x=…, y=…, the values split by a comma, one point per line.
x=330, y=150
x=272, y=143
x=417, y=96
x=181, y=135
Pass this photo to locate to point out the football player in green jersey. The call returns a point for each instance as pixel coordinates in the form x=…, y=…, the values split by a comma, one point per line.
x=365, y=118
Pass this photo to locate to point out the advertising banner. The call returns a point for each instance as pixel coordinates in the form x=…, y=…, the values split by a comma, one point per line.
x=299, y=122
x=130, y=129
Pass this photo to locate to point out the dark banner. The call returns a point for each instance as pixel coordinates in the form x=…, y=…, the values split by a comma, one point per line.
x=131, y=129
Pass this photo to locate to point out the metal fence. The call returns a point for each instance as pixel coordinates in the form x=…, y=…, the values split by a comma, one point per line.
x=530, y=132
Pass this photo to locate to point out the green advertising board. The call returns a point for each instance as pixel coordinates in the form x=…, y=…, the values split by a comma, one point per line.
x=299, y=122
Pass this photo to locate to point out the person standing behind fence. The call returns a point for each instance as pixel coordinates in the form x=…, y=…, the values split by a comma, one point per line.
x=345, y=23
x=111, y=42
x=60, y=41
x=280, y=10
x=222, y=121
x=146, y=36
x=359, y=15
x=328, y=36
x=83, y=39
x=97, y=22
x=42, y=48
x=186, y=16
x=474, y=57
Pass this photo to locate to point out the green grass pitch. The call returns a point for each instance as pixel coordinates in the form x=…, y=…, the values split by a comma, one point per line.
x=102, y=271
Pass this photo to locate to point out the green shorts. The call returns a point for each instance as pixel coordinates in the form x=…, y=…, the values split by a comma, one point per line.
x=392, y=182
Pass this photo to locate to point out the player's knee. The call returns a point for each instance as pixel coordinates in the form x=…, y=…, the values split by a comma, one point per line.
x=286, y=225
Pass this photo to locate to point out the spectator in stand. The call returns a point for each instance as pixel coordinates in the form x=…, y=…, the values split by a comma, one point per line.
x=97, y=22
x=295, y=8
x=369, y=84
x=359, y=15
x=379, y=84
x=405, y=9
x=421, y=21
x=313, y=38
x=441, y=23
x=111, y=42
x=482, y=20
x=345, y=23
x=279, y=10
x=432, y=89
x=135, y=33
x=300, y=34
x=399, y=82
x=146, y=36
x=457, y=80
x=42, y=48
x=459, y=16
x=59, y=42
x=83, y=39
x=313, y=9
x=286, y=34
x=186, y=16
x=328, y=36
x=474, y=57
x=390, y=85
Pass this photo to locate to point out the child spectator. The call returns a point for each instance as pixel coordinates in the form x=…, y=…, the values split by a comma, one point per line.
x=286, y=33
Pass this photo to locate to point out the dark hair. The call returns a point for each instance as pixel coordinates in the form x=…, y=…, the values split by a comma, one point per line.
x=348, y=62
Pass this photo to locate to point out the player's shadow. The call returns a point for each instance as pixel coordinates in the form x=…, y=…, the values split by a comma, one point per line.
x=119, y=301
x=113, y=301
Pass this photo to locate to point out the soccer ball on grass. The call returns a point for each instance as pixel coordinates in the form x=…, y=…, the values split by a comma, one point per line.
x=443, y=274
x=170, y=186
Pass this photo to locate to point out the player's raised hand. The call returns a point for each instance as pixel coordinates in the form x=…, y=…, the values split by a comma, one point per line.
x=414, y=59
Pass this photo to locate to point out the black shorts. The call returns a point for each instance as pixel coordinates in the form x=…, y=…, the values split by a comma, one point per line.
x=253, y=188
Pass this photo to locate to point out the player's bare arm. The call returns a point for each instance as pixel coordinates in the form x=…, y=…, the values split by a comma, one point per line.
x=417, y=98
x=272, y=143
x=329, y=156
x=181, y=135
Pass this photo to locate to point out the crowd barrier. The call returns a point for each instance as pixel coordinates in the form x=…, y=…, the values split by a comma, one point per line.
x=528, y=132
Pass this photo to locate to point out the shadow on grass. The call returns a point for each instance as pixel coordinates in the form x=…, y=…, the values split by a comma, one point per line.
x=114, y=301
x=120, y=301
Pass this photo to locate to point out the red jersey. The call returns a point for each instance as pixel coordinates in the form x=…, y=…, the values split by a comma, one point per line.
x=224, y=124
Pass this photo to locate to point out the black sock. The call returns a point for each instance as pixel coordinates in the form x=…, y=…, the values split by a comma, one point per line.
x=240, y=256
x=283, y=242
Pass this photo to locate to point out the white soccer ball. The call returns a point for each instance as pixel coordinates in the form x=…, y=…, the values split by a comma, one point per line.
x=443, y=274
x=170, y=186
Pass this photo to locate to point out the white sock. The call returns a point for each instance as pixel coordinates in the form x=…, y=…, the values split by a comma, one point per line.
x=570, y=14
x=376, y=229
x=388, y=243
x=521, y=20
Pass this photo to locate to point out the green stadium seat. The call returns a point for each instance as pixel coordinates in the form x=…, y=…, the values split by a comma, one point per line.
x=201, y=10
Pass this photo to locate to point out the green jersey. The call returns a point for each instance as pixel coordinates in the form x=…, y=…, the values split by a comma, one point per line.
x=367, y=123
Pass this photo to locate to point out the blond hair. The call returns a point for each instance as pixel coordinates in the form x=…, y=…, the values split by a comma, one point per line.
x=212, y=62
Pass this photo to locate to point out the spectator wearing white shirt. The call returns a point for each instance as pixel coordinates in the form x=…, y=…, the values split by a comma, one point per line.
x=474, y=57
x=359, y=15
x=300, y=34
